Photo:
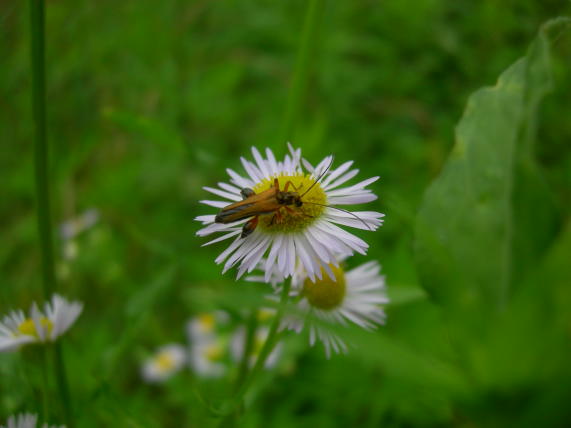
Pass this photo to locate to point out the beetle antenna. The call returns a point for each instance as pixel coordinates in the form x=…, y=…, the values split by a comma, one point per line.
x=320, y=177
x=345, y=211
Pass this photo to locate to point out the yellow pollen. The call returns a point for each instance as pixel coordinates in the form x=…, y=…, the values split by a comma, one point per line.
x=206, y=322
x=214, y=352
x=28, y=328
x=297, y=218
x=325, y=293
x=164, y=361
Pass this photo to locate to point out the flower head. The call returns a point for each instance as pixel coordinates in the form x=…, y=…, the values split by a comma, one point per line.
x=208, y=347
x=207, y=359
x=168, y=360
x=285, y=212
x=353, y=297
x=203, y=327
x=25, y=420
x=17, y=329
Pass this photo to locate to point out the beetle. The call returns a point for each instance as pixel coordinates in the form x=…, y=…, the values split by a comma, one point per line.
x=267, y=202
x=270, y=201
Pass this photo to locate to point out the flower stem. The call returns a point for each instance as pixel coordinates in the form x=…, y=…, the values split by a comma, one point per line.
x=41, y=161
x=45, y=384
x=62, y=383
x=236, y=402
x=250, y=334
x=41, y=144
x=302, y=67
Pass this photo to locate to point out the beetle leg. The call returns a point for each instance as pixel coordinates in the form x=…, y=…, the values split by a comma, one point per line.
x=246, y=192
x=249, y=227
x=276, y=218
x=290, y=183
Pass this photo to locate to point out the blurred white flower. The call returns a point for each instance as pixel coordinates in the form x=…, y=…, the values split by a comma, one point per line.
x=168, y=360
x=17, y=329
x=207, y=357
x=260, y=337
x=208, y=348
x=307, y=231
x=203, y=327
x=26, y=420
x=69, y=229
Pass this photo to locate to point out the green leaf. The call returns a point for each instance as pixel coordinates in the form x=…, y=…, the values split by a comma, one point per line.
x=489, y=215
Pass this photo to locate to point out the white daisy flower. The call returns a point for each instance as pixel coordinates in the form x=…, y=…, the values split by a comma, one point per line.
x=207, y=357
x=25, y=420
x=306, y=225
x=202, y=327
x=207, y=346
x=17, y=329
x=70, y=229
x=353, y=297
x=168, y=360
x=237, y=347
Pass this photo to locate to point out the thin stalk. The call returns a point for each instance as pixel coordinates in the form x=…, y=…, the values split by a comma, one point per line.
x=41, y=145
x=41, y=161
x=249, y=338
x=265, y=352
x=63, y=387
x=302, y=68
x=45, y=383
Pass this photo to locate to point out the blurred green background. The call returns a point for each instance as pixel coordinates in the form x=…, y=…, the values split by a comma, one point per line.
x=149, y=101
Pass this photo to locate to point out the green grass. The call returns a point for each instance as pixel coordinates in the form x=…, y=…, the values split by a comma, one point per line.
x=149, y=101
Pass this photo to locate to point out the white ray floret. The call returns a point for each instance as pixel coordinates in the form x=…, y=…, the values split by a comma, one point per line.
x=310, y=233
x=17, y=329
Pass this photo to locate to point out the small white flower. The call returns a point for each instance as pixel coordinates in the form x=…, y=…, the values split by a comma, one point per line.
x=40, y=326
x=308, y=231
x=207, y=357
x=208, y=348
x=25, y=420
x=353, y=297
x=168, y=360
x=237, y=347
x=202, y=327
x=69, y=229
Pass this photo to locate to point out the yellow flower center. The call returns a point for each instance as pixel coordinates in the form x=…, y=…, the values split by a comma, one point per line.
x=206, y=322
x=214, y=352
x=326, y=293
x=164, y=361
x=292, y=218
x=28, y=327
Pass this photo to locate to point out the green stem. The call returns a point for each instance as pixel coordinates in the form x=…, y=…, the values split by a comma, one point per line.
x=41, y=161
x=62, y=383
x=265, y=352
x=302, y=67
x=41, y=145
x=45, y=384
x=249, y=338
